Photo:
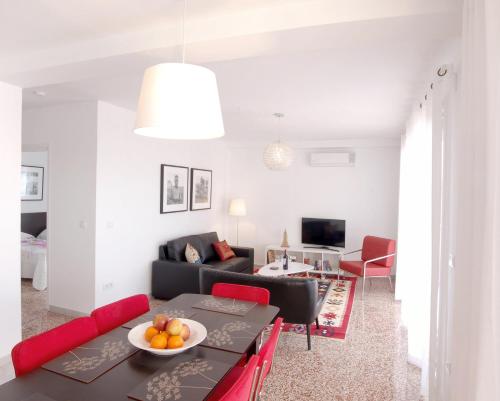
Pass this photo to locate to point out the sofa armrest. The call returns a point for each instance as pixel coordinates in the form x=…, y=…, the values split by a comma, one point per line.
x=244, y=252
x=170, y=278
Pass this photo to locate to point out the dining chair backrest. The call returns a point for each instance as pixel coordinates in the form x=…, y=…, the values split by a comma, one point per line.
x=244, y=386
x=242, y=292
x=37, y=350
x=111, y=316
x=266, y=353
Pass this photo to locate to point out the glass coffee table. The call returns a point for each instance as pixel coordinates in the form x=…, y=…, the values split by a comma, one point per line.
x=275, y=269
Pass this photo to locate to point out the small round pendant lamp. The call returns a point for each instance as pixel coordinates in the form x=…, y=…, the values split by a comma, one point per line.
x=278, y=155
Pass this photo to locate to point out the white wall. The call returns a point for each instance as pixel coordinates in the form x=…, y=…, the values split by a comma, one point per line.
x=70, y=133
x=38, y=159
x=10, y=208
x=129, y=225
x=366, y=195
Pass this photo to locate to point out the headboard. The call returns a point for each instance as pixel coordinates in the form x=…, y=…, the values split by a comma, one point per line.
x=33, y=223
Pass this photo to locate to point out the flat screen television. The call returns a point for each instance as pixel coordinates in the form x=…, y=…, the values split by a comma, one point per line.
x=323, y=232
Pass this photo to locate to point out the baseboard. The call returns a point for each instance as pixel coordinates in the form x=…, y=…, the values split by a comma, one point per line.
x=67, y=312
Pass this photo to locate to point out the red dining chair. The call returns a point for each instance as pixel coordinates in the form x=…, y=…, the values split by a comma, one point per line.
x=110, y=316
x=242, y=292
x=266, y=354
x=377, y=258
x=37, y=350
x=242, y=385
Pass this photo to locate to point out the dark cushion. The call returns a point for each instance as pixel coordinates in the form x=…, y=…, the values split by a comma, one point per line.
x=236, y=264
x=177, y=247
x=202, y=243
x=206, y=250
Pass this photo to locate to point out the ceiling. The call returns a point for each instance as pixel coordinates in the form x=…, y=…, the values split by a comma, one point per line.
x=335, y=71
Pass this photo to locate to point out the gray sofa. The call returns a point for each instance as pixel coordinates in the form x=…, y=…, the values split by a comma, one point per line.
x=172, y=275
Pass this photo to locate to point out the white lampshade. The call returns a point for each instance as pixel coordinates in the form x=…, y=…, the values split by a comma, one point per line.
x=179, y=101
x=237, y=207
x=278, y=156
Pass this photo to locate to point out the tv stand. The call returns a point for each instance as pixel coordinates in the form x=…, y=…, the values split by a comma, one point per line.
x=324, y=259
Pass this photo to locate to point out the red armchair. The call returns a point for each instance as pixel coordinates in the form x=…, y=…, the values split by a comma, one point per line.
x=377, y=258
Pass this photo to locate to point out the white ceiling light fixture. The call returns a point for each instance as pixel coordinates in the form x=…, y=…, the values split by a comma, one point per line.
x=278, y=155
x=179, y=101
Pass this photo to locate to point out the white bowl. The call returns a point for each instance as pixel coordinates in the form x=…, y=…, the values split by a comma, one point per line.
x=198, y=334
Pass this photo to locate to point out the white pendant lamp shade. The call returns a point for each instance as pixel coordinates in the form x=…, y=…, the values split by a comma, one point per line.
x=278, y=156
x=179, y=101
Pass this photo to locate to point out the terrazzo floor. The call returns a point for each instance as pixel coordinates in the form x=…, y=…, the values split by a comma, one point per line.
x=370, y=365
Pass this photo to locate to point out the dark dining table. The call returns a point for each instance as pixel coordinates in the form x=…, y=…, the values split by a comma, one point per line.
x=125, y=374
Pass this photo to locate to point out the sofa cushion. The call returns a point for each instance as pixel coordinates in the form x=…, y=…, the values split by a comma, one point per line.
x=223, y=250
x=206, y=249
x=236, y=264
x=192, y=255
x=177, y=247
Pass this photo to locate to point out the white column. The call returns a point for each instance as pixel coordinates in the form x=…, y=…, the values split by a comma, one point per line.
x=10, y=209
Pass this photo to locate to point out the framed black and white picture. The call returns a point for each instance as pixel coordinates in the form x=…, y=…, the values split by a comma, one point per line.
x=31, y=183
x=201, y=189
x=174, y=189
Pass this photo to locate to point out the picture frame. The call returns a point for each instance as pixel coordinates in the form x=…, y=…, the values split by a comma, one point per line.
x=201, y=189
x=32, y=183
x=174, y=189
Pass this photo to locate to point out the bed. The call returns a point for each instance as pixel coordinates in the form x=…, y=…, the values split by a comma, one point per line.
x=34, y=249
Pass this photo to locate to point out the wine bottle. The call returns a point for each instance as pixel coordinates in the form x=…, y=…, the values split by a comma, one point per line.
x=285, y=261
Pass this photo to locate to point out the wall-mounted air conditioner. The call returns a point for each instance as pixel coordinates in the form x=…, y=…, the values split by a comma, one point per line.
x=332, y=159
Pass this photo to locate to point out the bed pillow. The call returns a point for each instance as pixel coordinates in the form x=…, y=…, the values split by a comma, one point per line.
x=43, y=235
x=192, y=255
x=26, y=236
x=223, y=250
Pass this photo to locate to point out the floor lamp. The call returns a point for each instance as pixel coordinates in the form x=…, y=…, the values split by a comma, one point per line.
x=237, y=208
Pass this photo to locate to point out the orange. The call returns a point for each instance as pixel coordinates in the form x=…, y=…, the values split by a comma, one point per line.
x=175, y=342
x=159, y=342
x=151, y=331
x=164, y=334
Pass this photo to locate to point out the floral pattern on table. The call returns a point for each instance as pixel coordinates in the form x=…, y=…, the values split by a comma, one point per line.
x=225, y=305
x=88, y=361
x=224, y=336
x=190, y=376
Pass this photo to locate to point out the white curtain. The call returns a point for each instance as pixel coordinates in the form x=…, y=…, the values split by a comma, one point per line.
x=475, y=339
x=413, y=286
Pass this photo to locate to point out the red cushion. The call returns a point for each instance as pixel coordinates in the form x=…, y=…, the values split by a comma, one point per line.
x=223, y=250
x=374, y=247
x=110, y=316
x=242, y=292
x=37, y=350
x=356, y=267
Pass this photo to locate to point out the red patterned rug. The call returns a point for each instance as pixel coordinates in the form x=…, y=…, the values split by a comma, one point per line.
x=336, y=311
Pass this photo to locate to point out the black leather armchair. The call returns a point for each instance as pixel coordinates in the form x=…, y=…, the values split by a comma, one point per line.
x=172, y=275
x=297, y=298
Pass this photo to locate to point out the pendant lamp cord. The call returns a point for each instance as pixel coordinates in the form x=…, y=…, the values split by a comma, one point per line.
x=184, y=32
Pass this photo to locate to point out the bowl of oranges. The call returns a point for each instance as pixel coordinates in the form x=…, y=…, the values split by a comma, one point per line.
x=167, y=336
